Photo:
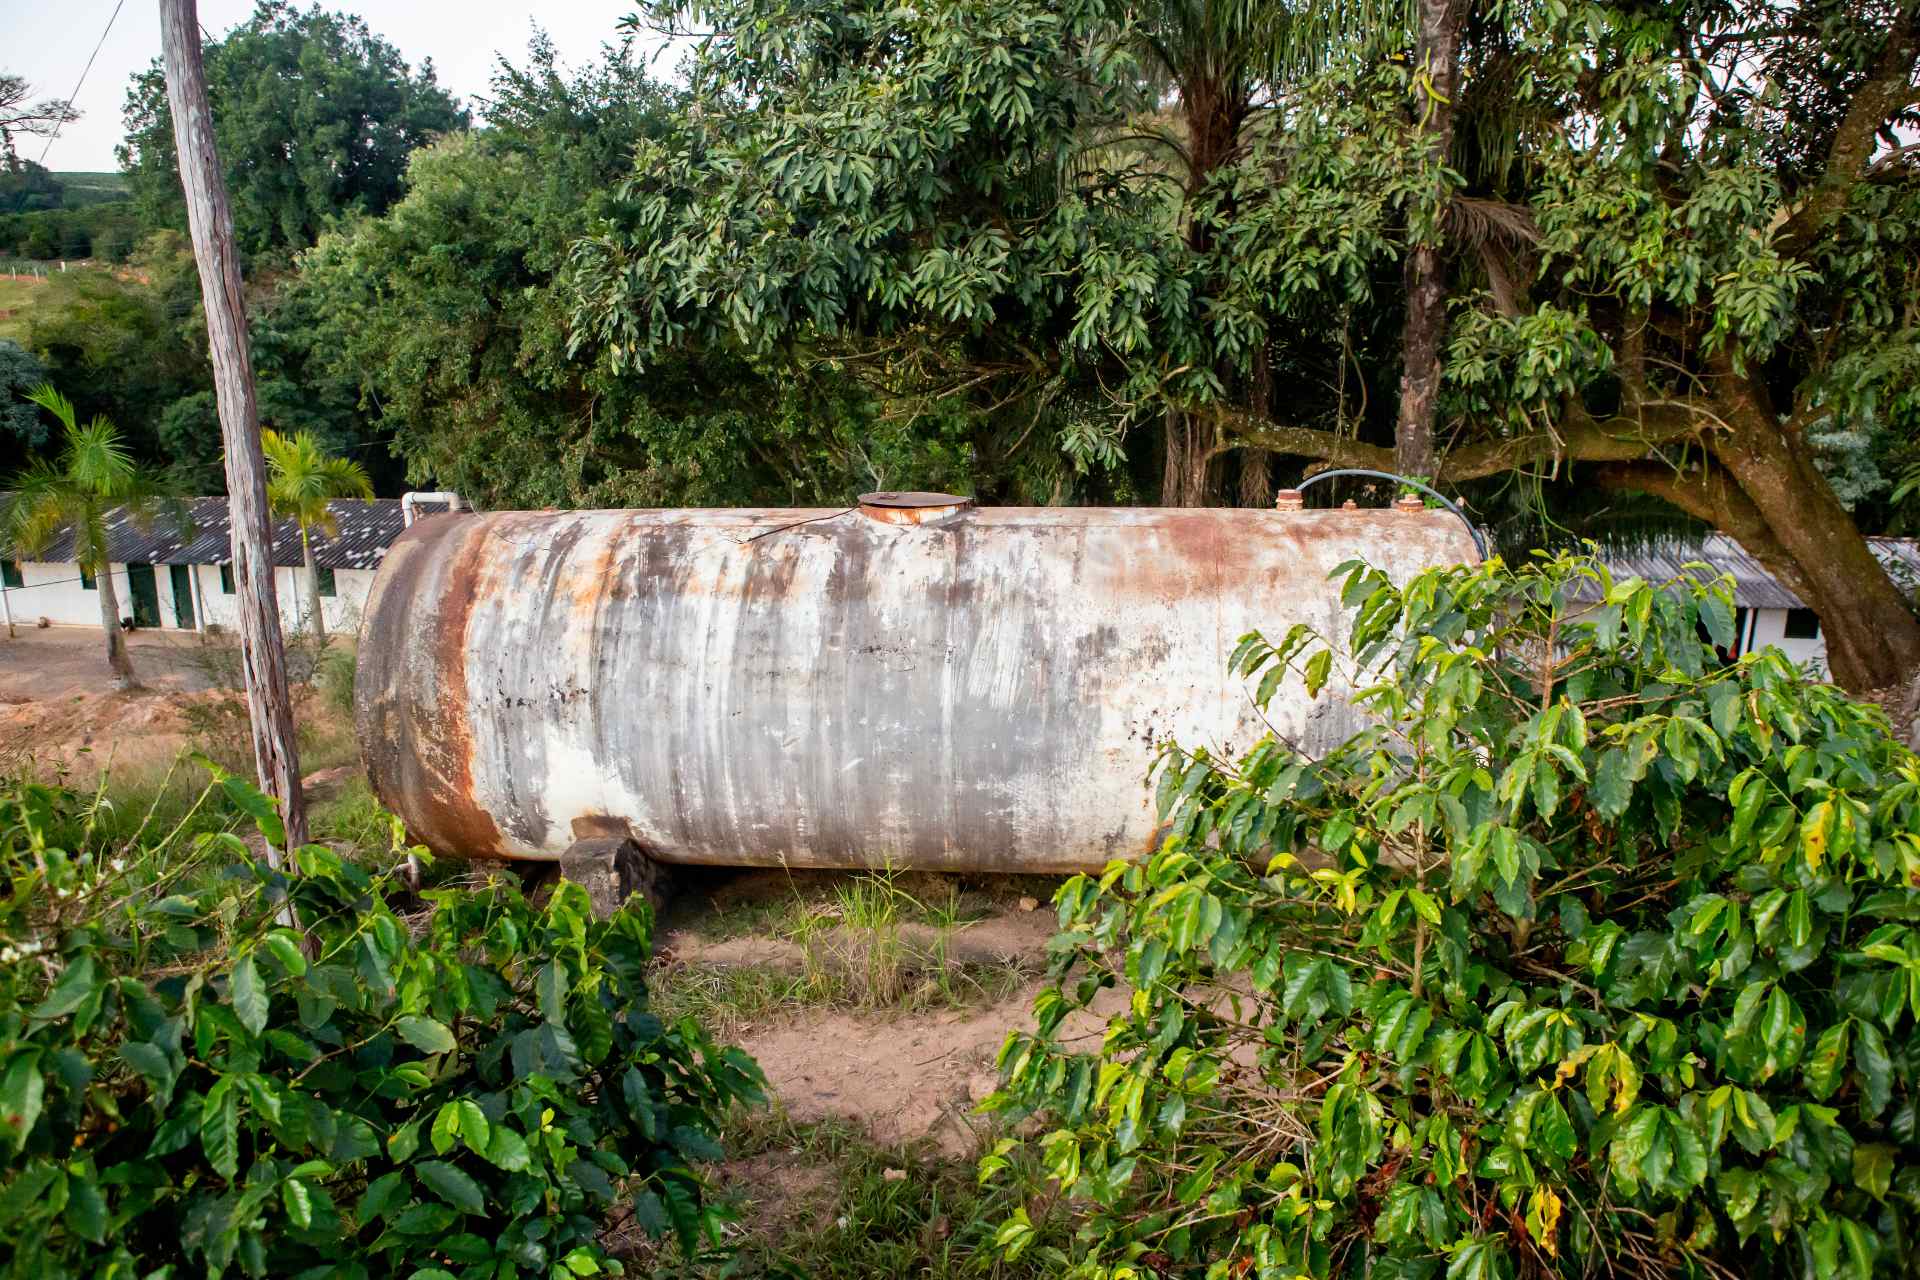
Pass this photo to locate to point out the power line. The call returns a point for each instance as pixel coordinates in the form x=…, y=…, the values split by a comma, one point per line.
x=52, y=137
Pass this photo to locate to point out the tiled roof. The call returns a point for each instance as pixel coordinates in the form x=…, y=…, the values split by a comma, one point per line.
x=1753, y=586
x=363, y=531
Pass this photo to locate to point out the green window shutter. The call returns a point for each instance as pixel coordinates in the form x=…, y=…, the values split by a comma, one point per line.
x=324, y=577
x=10, y=573
x=226, y=579
x=86, y=581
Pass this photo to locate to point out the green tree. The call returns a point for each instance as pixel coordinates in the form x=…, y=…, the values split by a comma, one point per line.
x=1590, y=954
x=1656, y=272
x=94, y=475
x=303, y=479
x=315, y=117
x=20, y=373
x=131, y=344
x=450, y=315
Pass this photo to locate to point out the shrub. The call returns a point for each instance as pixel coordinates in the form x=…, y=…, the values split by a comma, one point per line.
x=189, y=1086
x=1592, y=956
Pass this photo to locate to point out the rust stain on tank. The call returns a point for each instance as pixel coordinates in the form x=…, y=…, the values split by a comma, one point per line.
x=969, y=689
x=423, y=770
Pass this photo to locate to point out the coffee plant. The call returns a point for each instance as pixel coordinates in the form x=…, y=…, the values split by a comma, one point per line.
x=1593, y=954
x=209, y=1067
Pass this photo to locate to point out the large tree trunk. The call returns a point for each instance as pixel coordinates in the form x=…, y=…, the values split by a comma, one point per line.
x=276, y=750
x=1213, y=109
x=1256, y=465
x=1191, y=475
x=1423, y=337
x=124, y=679
x=1872, y=636
x=313, y=588
x=1765, y=492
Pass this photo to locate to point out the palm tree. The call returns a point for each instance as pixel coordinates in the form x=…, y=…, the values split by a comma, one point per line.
x=94, y=474
x=302, y=479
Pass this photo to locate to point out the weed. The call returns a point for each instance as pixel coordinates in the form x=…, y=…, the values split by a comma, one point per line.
x=353, y=818
x=860, y=1210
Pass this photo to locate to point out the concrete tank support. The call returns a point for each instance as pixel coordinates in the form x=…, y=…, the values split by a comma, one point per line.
x=913, y=682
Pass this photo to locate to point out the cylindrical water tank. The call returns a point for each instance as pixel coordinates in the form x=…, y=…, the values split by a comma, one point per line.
x=912, y=682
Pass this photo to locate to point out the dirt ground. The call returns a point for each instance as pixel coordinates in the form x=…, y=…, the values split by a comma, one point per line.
x=55, y=662
x=905, y=1076
x=55, y=705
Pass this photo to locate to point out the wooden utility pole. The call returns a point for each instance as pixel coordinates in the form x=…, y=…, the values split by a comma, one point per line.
x=276, y=753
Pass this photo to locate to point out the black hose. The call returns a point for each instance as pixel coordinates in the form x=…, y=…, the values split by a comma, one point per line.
x=1479, y=540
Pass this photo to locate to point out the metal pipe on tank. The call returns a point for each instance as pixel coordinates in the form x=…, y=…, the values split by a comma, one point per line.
x=912, y=682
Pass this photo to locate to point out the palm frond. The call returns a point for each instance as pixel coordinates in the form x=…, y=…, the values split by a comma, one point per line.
x=54, y=403
x=94, y=474
x=42, y=502
x=303, y=478
x=1475, y=221
x=97, y=461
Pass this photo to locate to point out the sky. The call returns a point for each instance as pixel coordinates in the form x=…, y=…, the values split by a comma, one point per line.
x=48, y=41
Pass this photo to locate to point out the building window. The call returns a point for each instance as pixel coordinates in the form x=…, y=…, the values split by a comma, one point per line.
x=226, y=579
x=86, y=581
x=1802, y=624
x=10, y=573
x=324, y=577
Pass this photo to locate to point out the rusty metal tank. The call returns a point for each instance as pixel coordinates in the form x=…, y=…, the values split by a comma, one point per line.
x=912, y=682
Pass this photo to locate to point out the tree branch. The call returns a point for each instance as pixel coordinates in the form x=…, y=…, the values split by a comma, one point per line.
x=1888, y=90
x=1714, y=497
x=1622, y=438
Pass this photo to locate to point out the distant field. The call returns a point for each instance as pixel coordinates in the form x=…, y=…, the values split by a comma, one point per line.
x=16, y=299
x=84, y=188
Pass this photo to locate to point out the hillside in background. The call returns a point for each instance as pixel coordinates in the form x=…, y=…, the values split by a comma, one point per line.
x=81, y=189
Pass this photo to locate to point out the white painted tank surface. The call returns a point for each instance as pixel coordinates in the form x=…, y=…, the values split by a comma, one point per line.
x=912, y=682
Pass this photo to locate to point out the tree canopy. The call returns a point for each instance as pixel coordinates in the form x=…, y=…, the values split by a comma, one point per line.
x=315, y=117
x=1665, y=236
x=451, y=314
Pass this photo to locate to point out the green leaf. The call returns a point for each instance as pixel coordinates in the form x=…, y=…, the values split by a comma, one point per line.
x=1319, y=667
x=299, y=1202
x=508, y=1150
x=582, y=1262
x=1823, y=1067
x=404, y=1141
x=382, y=1196
x=446, y=1127
x=455, y=1186
x=425, y=1034
x=1873, y=1168
x=86, y=1211
x=249, y=800
x=474, y=1129
x=77, y=981
x=1478, y=1259
x=551, y=987
x=286, y=949
x=22, y=1089
x=220, y=1127
x=1875, y=1066
x=1612, y=783
x=248, y=995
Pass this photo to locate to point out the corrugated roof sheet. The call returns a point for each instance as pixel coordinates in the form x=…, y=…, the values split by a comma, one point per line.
x=1753, y=586
x=363, y=532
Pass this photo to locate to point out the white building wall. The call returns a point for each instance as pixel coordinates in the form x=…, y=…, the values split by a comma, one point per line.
x=342, y=610
x=1770, y=628
x=53, y=592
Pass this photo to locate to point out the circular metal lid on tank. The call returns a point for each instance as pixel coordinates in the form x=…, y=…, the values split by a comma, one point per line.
x=912, y=506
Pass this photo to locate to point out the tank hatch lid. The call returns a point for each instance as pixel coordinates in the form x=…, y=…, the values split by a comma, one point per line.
x=912, y=506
